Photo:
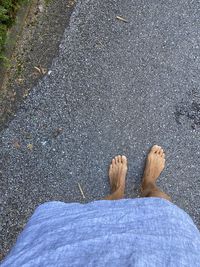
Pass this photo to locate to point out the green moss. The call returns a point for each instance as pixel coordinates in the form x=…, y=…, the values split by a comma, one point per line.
x=47, y=2
x=8, y=9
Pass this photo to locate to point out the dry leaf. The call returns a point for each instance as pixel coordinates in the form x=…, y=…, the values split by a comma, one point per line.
x=27, y=135
x=71, y=3
x=121, y=19
x=38, y=69
x=25, y=94
x=43, y=70
x=41, y=8
x=20, y=80
x=16, y=144
x=30, y=146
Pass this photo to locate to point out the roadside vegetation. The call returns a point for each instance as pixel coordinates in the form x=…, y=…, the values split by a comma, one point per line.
x=8, y=10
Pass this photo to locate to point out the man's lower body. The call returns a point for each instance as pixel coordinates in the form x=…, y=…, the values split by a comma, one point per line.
x=111, y=232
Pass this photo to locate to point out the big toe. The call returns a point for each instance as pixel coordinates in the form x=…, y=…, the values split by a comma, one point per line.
x=157, y=150
x=113, y=162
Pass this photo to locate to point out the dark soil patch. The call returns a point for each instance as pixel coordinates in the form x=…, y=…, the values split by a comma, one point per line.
x=35, y=48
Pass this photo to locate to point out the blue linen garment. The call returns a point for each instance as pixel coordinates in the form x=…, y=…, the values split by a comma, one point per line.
x=128, y=232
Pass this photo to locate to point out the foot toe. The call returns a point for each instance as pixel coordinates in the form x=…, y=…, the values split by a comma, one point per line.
x=160, y=151
x=124, y=159
x=163, y=153
x=110, y=169
x=111, y=166
x=119, y=159
x=155, y=148
x=113, y=162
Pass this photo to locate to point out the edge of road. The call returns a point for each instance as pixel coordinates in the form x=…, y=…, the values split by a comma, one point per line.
x=33, y=42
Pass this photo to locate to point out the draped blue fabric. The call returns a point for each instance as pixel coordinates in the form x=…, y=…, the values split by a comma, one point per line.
x=129, y=232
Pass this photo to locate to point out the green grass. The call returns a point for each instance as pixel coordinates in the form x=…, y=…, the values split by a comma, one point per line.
x=8, y=10
x=47, y=2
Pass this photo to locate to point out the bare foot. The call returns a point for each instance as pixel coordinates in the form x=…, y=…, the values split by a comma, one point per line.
x=155, y=163
x=117, y=174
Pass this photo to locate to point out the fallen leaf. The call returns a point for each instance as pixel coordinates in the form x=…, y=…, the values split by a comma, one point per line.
x=121, y=19
x=38, y=69
x=41, y=70
x=30, y=146
x=71, y=3
x=41, y=8
x=27, y=135
x=20, y=80
x=25, y=93
x=16, y=144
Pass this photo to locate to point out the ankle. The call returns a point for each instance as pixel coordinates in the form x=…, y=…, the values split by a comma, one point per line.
x=118, y=188
x=148, y=185
x=148, y=189
x=119, y=193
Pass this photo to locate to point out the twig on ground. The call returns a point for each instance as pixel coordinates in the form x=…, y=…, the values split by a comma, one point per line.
x=121, y=18
x=81, y=190
x=41, y=70
x=38, y=69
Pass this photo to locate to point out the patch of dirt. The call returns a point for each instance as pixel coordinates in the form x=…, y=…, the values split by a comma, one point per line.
x=35, y=48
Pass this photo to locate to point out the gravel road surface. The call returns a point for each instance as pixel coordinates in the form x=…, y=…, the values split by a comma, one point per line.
x=116, y=87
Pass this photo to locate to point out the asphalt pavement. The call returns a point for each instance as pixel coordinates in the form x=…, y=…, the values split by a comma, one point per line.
x=116, y=87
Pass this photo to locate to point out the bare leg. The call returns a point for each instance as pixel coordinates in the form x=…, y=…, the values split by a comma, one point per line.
x=155, y=163
x=117, y=176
